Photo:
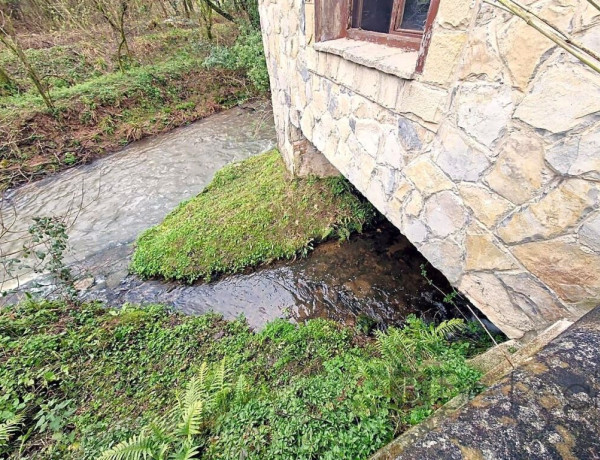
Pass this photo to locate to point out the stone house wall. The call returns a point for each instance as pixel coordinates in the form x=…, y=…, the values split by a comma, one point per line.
x=488, y=161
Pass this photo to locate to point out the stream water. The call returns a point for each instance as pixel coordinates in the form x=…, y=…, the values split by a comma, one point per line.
x=112, y=200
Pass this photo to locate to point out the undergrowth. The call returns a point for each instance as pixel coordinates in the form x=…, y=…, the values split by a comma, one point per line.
x=252, y=213
x=77, y=380
x=99, y=109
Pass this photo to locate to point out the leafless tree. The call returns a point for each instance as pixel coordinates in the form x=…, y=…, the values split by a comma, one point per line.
x=114, y=13
x=218, y=9
x=8, y=37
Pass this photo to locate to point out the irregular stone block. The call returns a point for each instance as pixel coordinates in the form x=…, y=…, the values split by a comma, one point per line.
x=392, y=153
x=578, y=155
x=443, y=55
x=487, y=206
x=424, y=101
x=522, y=48
x=589, y=233
x=368, y=134
x=415, y=231
x=484, y=253
x=520, y=172
x=409, y=134
x=444, y=214
x=459, y=160
x=536, y=300
x=484, y=110
x=554, y=214
x=556, y=103
x=414, y=205
x=445, y=255
x=427, y=177
x=491, y=296
x=565, y=266
x=455, y=13
x=481, y=59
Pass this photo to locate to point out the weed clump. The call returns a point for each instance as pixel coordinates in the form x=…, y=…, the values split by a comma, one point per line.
x=246, y=55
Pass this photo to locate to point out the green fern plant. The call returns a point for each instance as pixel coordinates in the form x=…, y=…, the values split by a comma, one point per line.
x=178, y=434
x=9, y=427
x=416, y=341
x=403, y=353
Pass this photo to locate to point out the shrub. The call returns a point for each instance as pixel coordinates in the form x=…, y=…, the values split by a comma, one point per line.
x=246, y=55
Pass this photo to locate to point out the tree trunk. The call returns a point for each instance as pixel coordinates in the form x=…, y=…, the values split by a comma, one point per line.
x=163, y=8
x=6, y=83
x=218, y=10
x=8, y=38
x=35, y=79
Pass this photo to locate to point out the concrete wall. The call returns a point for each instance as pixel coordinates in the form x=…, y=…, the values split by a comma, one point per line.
x=488, y=161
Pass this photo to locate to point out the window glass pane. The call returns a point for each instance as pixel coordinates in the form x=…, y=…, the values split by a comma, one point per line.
x=415, y=14
x=377, y=15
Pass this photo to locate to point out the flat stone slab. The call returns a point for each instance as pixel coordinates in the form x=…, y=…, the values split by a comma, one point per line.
x=548, y=408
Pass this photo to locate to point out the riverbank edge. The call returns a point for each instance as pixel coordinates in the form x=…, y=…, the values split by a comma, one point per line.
x=87, y=376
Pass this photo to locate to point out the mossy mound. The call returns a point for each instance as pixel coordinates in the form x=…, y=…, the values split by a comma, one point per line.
x=252, y=213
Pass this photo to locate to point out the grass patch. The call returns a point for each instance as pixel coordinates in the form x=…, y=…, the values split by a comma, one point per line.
x=85, y=377
x=251, y=213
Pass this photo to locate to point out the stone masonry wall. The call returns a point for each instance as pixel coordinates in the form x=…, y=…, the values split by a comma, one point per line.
x=489, y=161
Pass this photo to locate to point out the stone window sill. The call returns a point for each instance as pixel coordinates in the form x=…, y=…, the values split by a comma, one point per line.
x=394, y=61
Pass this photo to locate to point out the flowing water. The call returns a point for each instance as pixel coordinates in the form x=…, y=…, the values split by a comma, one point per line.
x=112, y=200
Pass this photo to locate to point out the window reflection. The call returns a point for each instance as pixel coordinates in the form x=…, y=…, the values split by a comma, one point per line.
x=415, y=15
x=377, y=15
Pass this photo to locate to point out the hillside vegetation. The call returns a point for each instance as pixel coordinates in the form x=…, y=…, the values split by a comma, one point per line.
x=76, y=92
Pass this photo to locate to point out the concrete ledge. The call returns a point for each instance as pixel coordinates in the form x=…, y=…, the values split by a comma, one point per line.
x=394, y=61
x=548, y=408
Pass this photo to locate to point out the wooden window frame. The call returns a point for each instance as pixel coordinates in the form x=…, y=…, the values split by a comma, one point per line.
x=401, y=38
x=339, y=25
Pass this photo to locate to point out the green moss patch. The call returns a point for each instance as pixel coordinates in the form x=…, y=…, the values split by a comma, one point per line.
x=252, y=213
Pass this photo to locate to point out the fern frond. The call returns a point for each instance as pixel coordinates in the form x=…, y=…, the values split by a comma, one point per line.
x=203, y=374
x=196, y=390
x=191, y=419
x=137, y=447
x=9, y=427
x=241, y=390
x=219, y=382
x=187, y=452
x=446, y=328
x=397, y=348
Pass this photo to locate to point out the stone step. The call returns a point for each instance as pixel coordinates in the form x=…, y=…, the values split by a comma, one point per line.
x=492, y=358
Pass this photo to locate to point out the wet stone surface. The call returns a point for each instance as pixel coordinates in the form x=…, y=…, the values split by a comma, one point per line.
x=549, y=408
